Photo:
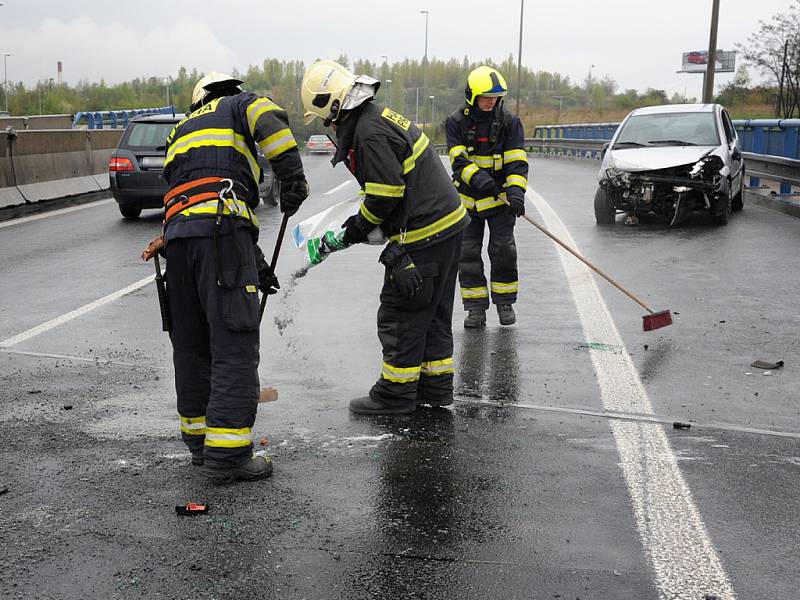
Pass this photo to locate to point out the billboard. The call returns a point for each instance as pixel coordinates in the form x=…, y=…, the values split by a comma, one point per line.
x=696, y=61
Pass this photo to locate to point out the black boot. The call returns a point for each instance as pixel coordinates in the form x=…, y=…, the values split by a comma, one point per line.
x=197, y=457
x=476, y=318
x=258, y=467
x=368, y=406
x=506, y=314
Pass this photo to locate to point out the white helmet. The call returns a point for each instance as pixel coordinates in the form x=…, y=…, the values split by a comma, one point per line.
x=328, y=88
x=214, y=81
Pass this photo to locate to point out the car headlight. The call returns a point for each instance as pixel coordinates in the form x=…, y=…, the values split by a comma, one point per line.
x=618, y=175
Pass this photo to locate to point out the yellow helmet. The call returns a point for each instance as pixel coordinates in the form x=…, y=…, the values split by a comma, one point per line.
x=328, y=88
x=214, y=81
x=484, y=81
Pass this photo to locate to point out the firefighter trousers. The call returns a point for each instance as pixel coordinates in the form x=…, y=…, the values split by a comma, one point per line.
x=215, y=343
x=417, y=334
x=502, y=249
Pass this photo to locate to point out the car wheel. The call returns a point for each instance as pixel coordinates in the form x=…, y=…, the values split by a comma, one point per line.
x=737, y=203
x=721, y=218
x=605, y=213
x=130, y=212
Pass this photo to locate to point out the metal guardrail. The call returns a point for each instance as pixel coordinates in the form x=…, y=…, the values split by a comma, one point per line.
x=115, y=118
x=772, y=168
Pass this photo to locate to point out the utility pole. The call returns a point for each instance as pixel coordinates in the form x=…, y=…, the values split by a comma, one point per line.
x=424, y=62
x=519, y=56
x=5, y=77
x=708, y=83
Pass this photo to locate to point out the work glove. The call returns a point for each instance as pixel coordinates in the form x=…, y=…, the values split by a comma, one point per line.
x=293, y=192
x=353, y=233
x=483, y=183
x=403, y=273
x=267, y=281
x=516, y=202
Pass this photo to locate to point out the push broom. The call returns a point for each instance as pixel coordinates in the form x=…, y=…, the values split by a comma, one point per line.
x=652, y=320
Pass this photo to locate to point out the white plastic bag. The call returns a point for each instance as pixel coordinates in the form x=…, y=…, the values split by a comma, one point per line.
x=331, y=219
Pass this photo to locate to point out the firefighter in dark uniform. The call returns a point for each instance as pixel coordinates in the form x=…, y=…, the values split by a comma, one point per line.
x=215, y=267
x=490, y=170
x=409, y=195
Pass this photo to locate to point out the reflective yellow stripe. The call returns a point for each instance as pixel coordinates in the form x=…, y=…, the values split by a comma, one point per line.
x=478, y=292
x=467, y=201
x=468, y=172
x=512, y=155
x=505, y=288
x=220, y=138
x=193, y=425
x=238, y=208
x=400, y=374
x=438, y=367
x=258, y=108
x=457, y=151
x=518, y=180
x=278, y=143
x=445, y=222
x=369, y=216
x=223, y=437
x=419, y=148
x=484, y=162
x=490, y=202
x=382, y=189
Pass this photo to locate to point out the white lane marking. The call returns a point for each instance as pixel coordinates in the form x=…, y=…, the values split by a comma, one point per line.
x=87, y=359
x=673, y=534
x=34, y=331
x=53, y=213
x=338, y=187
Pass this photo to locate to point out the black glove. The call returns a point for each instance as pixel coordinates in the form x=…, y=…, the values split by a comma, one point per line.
x=516, y=202
x=267, y=282
x=403, y=273
x=353, y=233
x=483, y=183
x=293, y=192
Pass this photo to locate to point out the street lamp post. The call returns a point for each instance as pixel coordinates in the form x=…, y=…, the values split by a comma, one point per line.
x=519, y=56
x=424, y=59
x=5, y=77
x=389, y=92
x=433, y=112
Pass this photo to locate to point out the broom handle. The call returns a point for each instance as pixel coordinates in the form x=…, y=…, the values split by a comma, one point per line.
x=275, y=254
x=588, y=264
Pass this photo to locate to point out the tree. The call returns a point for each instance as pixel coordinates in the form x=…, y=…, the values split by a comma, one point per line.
x=775, y=51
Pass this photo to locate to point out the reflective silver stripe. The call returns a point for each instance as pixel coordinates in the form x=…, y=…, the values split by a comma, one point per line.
x=214, y=137
x=258, y=108
x=478, y=292
x=438, y=367
x=419, y=148
x=484, y=162
x=468, y=171
x=457, y=151
x=517, y=180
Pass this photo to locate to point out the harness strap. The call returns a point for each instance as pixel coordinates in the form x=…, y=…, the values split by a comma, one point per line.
x=194, y=192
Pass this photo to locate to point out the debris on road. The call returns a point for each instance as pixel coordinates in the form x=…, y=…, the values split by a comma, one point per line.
x=34, y=391
x=680, y=425
x=263, y=442
x=766, y=365
x=67, y=407
x=3, y=489
x=191, y=509
x=268, y=394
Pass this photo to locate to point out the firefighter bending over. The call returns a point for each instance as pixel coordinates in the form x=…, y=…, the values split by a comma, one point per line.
x=408, y=194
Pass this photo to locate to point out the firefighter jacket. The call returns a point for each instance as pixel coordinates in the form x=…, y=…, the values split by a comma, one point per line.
x=406, y=189
x=492, y=142
x=222, y=139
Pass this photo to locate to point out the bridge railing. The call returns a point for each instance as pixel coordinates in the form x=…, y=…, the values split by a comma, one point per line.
x=116, y=118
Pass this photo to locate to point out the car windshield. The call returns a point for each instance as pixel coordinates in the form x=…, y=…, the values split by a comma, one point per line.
x=669, y=129
x=149, y=135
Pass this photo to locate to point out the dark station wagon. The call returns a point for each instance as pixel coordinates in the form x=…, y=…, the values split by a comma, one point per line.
x=136, y=167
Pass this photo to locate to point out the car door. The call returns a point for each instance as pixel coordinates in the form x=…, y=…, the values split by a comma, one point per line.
x=735, y=153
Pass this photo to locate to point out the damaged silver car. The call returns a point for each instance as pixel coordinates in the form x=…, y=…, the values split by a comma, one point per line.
x=671, y=161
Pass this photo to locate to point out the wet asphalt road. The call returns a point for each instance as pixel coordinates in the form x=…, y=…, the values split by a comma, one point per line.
x=531, y=486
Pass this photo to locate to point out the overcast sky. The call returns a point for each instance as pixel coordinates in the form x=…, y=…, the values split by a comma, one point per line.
x=638, y=43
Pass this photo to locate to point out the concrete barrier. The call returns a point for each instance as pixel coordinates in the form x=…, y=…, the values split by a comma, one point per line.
x=38, y=165
x=37, y=122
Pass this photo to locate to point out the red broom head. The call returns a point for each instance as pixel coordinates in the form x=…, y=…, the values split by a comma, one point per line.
x=657, y=320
